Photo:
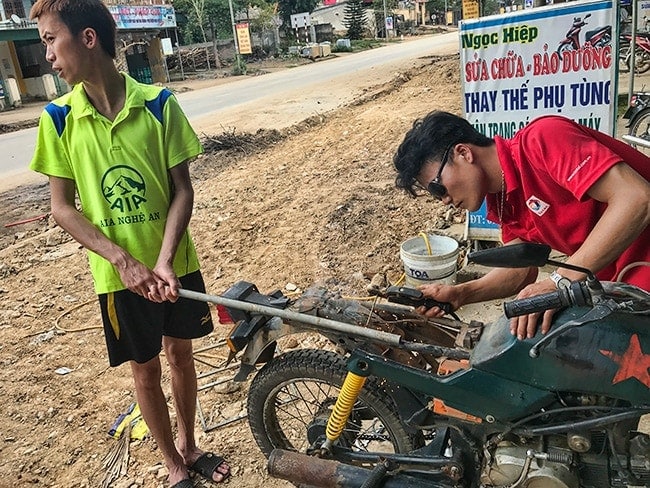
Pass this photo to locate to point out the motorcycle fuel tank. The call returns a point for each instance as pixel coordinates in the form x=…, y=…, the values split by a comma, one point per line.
x=608, y=357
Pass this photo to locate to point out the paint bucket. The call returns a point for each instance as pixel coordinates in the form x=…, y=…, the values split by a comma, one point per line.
x=429, y=258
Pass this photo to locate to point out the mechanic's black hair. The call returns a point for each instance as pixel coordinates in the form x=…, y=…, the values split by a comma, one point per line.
x=427, y=141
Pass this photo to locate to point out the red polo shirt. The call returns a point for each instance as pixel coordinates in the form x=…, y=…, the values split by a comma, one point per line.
x=549, y=166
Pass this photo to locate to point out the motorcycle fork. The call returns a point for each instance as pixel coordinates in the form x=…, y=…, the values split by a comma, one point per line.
x=348, y=396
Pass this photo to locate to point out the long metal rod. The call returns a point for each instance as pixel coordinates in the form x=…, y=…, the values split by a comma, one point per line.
x=318, y=322
x=636, y=140
x=630, y=87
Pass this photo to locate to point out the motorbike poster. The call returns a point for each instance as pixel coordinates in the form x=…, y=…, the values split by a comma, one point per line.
x=559, y=59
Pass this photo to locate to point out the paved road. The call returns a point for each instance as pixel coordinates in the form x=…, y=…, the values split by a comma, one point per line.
x=287, y=88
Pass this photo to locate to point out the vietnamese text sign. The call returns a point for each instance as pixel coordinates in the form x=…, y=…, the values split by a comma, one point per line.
x=470, y=9
x=518, y=66
x=143, y=17
x=243, y=38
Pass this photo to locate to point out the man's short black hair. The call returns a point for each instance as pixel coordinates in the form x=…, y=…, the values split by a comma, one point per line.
x=427, y=140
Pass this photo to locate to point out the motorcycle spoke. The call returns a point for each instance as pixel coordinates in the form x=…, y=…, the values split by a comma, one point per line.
x=640, y=127
x=291, y=399
x=296, y=396
x=298, y=403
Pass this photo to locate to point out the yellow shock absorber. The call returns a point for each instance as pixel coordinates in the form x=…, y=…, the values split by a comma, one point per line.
x=344, y=403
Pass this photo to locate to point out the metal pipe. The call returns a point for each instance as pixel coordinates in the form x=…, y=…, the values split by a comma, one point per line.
x=636, y=140
x=317, y=322
x=630, y=87
x=315, y=472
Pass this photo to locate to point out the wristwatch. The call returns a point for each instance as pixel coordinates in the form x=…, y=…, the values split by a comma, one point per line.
x=559, y=280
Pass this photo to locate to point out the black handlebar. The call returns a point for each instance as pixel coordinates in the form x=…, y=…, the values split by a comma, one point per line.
x=577, y=294
x=414, y=298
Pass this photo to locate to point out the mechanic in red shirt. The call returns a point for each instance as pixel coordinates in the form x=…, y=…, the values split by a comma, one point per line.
x=578, y=190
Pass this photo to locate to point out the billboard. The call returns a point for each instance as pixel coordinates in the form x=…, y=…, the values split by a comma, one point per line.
x=550, y=60
x=143, y=17
x=243, y=38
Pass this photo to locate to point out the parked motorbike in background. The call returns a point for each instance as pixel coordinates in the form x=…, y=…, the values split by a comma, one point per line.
x=638, y=117
x=641, y=49
x=599, y=37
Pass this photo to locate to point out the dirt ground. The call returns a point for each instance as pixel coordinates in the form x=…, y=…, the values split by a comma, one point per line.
x=312, y=203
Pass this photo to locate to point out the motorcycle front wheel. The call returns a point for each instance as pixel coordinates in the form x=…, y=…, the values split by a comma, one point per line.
x=291, y=397
x=640, y=127
x=641, y=61
x=624, y=57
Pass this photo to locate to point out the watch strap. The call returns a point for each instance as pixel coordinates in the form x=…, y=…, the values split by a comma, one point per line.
x=558, y=279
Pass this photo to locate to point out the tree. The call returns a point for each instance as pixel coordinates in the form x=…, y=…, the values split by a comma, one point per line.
x=213, y=15
x=354, y=19
x=381, y=13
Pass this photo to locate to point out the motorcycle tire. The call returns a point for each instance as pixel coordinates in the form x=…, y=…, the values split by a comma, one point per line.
x=640, y=127
x=624, y=57
x=291, y=397
x=641, y=61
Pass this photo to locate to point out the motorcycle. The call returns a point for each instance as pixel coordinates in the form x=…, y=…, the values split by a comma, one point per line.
x=641, y=52
x=638, y=117
x=438, y=402
x=597, y=38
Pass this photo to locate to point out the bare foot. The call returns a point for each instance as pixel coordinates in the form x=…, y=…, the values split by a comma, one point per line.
x=177, y=474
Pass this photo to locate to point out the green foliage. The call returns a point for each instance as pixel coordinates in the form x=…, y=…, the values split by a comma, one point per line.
x=239, y=67
x=265, y=18
x=208, y=16
x=354, y=19
x=489, y=7
x=364, y=44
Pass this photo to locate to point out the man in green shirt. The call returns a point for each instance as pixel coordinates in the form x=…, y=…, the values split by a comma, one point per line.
x=123, y=148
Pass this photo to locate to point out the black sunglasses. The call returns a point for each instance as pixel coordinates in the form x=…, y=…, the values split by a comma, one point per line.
x=437, y=189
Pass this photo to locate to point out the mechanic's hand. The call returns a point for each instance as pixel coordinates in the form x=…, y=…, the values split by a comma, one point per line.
x=440, y=293
x=525, y=326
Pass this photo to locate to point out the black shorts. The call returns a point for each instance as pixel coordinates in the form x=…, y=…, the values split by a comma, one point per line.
x=134, y=326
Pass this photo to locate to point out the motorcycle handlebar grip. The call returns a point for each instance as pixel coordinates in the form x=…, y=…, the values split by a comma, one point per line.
x=538, y=303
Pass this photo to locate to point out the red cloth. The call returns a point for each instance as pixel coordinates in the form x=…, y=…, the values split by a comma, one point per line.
x=549, y=166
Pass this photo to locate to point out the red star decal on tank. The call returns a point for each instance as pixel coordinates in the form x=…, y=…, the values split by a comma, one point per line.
x=633, y=363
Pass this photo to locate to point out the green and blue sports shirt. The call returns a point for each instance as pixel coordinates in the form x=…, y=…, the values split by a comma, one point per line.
x=120, y=170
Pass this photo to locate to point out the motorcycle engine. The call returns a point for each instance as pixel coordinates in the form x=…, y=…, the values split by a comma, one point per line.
x=577, y=459
x=513, y=463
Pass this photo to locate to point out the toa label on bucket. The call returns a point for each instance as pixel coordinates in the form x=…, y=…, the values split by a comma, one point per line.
x=429, y=258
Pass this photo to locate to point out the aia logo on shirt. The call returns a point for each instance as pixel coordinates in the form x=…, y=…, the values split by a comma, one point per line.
x=537, y=206
x=123, y=187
